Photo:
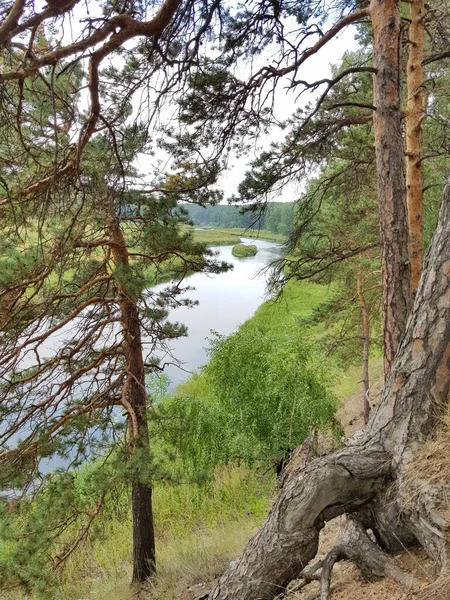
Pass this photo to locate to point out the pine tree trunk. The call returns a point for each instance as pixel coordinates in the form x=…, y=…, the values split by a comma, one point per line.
x=144, y=564
x=365, y=347
x=368, y=475
x=414, y=138
x=134, y=399
x=395, y=268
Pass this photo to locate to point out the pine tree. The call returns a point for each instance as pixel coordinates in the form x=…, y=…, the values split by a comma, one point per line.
x=81, y=329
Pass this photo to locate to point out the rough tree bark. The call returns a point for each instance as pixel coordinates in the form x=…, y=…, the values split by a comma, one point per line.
x=356, y=545
x=367, y=477
x=134, y=400
x=415, y=114
x=365, y=347
x=389, y=151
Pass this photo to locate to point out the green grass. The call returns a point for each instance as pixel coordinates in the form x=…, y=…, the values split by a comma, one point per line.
x=350, y=380
x=229, y=237
x=297, y=301
x=216, y=237
x=244, y=250
x=260, y=234
x=198, y=530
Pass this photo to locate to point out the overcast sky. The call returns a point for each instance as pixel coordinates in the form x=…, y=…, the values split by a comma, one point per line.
x=316, y=67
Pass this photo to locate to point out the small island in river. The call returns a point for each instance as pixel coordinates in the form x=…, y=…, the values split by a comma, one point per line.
x=244, y=250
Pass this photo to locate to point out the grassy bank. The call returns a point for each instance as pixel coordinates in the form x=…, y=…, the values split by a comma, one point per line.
x=229, y=237
x=298, y=301
x=261, y=234
x=211, y=237
x=216, y=237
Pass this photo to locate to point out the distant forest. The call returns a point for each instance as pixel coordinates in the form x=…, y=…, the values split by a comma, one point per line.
x=277, y=218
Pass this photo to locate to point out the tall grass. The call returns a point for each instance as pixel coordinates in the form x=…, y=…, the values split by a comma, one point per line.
x=260, y=234
x=297, y=302
x=216, y=237
x=198, y=529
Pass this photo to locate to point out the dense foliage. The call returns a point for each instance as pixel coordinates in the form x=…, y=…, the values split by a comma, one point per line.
x=262, y=391
x=277, y=217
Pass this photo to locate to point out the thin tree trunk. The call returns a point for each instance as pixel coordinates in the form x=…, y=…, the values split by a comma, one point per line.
x=368, y=474
x=396, y=296
x=144, y=563
x=414, y=138
x=134, y=399
x=365, y=347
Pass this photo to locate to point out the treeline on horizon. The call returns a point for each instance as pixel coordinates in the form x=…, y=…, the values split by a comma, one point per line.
x=277, y=217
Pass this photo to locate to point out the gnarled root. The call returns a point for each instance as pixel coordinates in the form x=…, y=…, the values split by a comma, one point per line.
x=288, y=541
x=356, y=546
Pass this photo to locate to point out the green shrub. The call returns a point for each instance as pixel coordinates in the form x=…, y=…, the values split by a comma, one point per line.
x=259, y=396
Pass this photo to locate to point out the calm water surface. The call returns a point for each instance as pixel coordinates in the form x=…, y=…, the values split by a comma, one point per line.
x=225, y=301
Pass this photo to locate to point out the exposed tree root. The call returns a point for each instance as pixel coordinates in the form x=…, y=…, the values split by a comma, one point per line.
x=368, y=476
x=356, y=546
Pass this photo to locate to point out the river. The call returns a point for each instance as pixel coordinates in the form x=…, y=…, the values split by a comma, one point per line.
x=225, y=301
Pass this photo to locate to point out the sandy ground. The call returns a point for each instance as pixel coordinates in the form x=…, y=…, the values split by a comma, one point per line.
x=347, y=581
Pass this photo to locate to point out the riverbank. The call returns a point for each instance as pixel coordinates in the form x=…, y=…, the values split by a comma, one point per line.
x=229, y=237
x=225, y=301
x=212, y=238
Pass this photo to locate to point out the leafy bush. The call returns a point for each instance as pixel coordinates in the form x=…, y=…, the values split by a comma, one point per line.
x=259, y=396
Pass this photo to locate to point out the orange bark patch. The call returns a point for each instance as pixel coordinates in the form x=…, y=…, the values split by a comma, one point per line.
x=417, y=349
x=399, y=383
